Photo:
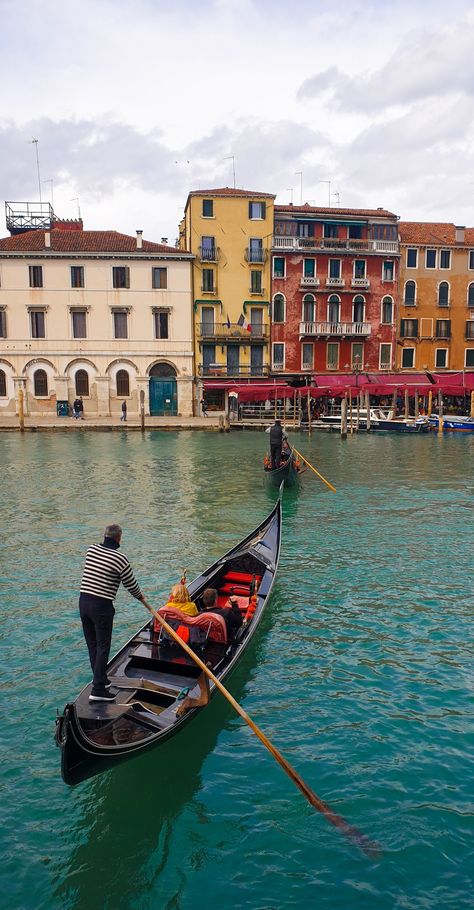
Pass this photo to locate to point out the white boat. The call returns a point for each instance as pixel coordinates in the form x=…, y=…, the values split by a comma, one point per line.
x=356, y=419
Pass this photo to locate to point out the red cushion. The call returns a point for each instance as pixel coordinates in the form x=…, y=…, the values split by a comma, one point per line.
x=243, y=602
x=208, y=621
x=243, y=577
x=235, y=589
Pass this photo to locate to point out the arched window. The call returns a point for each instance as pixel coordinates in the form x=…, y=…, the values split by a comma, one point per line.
x=163, y=371
x=410, y=293
x=470, y=295
x=278, y=308
x=358, y=308
x=82, y=382
x=443, y=294
x=123, y=384
x=334, y=304
x=308, y=308
x=40, y=381
x=3, y=384
x=387, y=311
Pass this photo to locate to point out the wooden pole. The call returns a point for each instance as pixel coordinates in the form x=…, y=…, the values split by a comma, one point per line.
x=407, y=404
x=359, y=405
x=417, y=405
x=472, y=404
x=294, y=409
x=394, y=404
x=309, y=412
x=440, y=412
x=314, y=469
x=142, y=410
x=430, y=403
x=344, y=418
x=351, y=422
x=21, y=410
x=367, y=405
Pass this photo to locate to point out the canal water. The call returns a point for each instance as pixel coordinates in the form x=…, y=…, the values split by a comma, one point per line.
x=361, y=675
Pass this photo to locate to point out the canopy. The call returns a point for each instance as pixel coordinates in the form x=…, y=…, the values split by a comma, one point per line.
x=252, y=391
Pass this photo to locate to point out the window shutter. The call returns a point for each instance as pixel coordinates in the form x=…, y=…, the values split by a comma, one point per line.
x=264, y=209
x=250, y=209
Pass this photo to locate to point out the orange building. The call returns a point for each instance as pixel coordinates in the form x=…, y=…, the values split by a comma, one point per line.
x=436, y=297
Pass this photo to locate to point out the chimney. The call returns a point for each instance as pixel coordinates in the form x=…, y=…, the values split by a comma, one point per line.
x=164, y=240
x=139, y=240
x=460, y=235
x=47, y=239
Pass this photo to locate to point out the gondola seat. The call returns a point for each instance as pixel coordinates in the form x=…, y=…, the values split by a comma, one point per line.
x=243, y=602
x=209, y=622
x=240, y=577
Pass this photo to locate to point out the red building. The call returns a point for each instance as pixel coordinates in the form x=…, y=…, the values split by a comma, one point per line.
x=334, y=290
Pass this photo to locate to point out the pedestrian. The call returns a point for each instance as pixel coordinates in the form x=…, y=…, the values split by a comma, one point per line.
x=204, y=407
x=76, y=408
x=124, y=411
x=104, y=569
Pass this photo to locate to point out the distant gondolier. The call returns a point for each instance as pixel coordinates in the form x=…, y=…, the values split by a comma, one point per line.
x=104, y=569
x=276, y=442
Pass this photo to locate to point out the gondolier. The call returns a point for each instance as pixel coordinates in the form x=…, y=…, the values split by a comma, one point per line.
x=276, y=441
x=104, y=569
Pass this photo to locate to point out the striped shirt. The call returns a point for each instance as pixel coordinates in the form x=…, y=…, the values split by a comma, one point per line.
x=104, y=569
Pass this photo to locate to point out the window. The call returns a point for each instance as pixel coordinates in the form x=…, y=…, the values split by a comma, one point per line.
x=159, y=278
x=77, y=276
x=278, y=266
x=208, y=280
x=120, y=324
x=443, y=328
x=309, y=268
x=207, y=208
x=120, y=276
x=334, y=268
x=412, y=258
x=409, y=328
x=36, y=276
x=79, y=324
x=388, y=270
x=387, y=311
x=470, y=295
x=307, y=351
x=430, y=259
x=122, y=380
x=257, y=211
x=3, y=324
x=385, y=356
x=441, y=358
x=208, y=249
x=408, y=358
x=40, y=382
x=161, y=320
x=37, y=324
x=410, y=294
x=357, y=355
x=255, y=281
x=334, y=305
x=278, y=356
x=359, y=268
x=332, y=354
x=279, y=308
x=305, y=229
x=308, y=308
x=358, y=308
x=82, y=382
x=3, y=384
x=330, y=230
x=355, y=232
x=445, y=259
x=255, y=252
x=443, y=294
x=470, y=328
x=469, y=357
x=471, y=259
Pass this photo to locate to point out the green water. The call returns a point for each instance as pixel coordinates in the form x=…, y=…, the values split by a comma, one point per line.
x=361, y=675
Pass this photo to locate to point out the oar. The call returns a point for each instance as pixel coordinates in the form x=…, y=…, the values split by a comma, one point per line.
x=369, y=847
x=314, y=469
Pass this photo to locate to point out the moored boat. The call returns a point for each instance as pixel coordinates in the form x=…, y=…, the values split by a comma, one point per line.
x=151, y=673
x=453, y=423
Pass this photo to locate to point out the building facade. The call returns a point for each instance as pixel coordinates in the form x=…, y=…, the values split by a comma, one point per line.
x=95, y=314
x=436, y=314
x=334, y=290
x=229, y=231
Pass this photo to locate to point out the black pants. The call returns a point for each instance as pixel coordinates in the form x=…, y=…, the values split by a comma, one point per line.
x=275, y=452
x=97, y=615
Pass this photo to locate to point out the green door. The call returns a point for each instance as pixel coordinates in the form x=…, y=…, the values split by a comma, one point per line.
x=163, y=397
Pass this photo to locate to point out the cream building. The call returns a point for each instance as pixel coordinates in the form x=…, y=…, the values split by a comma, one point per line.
x=95, y=314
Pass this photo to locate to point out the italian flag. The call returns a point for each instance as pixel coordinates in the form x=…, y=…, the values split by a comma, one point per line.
x=244, y=324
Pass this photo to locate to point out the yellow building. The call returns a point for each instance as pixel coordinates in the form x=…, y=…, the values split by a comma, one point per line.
x=436, y=312
x=230, y=233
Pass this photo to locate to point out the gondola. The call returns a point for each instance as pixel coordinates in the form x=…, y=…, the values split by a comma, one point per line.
x=287, y=473
x=151, y=672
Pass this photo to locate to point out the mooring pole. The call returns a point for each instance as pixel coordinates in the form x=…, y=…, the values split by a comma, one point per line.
x=21, y=410
x=142, y=410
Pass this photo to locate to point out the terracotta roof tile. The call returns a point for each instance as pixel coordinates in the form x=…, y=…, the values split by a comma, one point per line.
x=333, y=212
x=441, y=233
x=83, y=242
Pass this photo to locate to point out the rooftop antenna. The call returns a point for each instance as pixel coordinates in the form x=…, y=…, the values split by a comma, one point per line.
x=51, y=181
x=300, y=175
x=231, y=158
x=290, y=190
x=35, y=143
x=338, y=197
x=76, y=199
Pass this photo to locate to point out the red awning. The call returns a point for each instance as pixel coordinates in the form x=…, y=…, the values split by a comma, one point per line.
x=252, y=391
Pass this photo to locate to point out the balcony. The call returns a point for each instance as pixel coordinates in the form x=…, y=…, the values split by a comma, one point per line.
x=335, y=282
x=333, y=243
x=209, y=254
x=252, y=255
x=208, y=290
x=256, y=292
x=221, y=331
x=309, y=281
x=338, y=329
x=221, y=370
x=361, y=283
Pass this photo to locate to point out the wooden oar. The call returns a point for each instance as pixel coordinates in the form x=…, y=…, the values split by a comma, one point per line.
x=369, y=847
x=314, y=469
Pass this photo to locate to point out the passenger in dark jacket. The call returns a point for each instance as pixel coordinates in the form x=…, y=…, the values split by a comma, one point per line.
x=231, y=614
x=276, y=442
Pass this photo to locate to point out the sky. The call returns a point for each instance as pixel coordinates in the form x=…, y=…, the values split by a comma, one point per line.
x=136, y=102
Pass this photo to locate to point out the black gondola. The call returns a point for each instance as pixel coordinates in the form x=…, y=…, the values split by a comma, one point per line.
x=287, y=473
x=151, y=673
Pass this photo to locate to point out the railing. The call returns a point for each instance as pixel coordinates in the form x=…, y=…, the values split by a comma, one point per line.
x=257, y=291
x=253, y=255
x=335, y=328
x=335, y=282
x=308, y=281
x=209, y=254
x=234, y=331
x=217, y=370
x=360, y=283
x=205, y=290
x=333, y=243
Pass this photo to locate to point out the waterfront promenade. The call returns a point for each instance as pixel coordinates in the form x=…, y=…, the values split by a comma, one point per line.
x=36, y=423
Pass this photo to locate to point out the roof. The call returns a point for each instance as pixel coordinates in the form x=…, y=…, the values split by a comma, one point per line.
x=231, y=191
x=307, y=209
x=83, y=242
x=426, y=232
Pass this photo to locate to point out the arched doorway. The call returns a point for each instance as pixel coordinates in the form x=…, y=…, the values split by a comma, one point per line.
x=163, y=390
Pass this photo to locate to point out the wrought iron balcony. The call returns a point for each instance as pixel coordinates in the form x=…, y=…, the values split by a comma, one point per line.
x=209, y=254
x=216, y=370
x=221, y=331
x=253, y=255
x=339, y=329
x=334, y=243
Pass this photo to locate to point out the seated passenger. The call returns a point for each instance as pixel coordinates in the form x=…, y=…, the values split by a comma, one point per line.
x=180, y=599
x=231, y=614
